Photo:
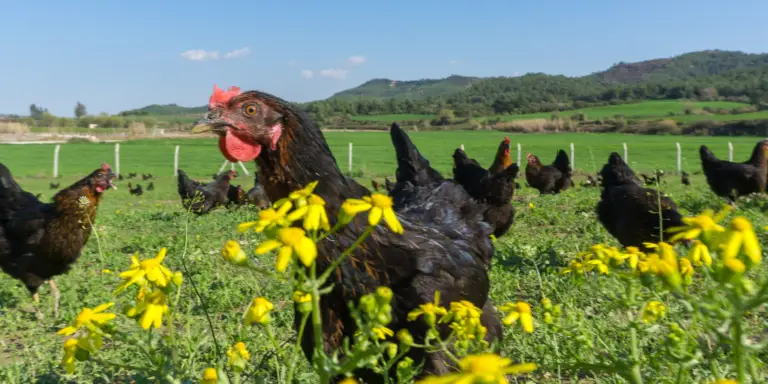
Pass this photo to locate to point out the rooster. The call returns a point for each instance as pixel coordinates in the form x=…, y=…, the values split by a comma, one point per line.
x=445, y=246
x=731, y=180
x=629, y=211
x=549, y=179
x=492, y=188
x=502, y=160
x=39, y=241
x=202, y=198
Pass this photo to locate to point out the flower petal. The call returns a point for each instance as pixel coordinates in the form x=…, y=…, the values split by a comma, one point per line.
x=283, y=258
x=267, y=246
x=307, y=251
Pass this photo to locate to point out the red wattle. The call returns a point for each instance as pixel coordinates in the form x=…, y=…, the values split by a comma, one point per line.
x=236, y=149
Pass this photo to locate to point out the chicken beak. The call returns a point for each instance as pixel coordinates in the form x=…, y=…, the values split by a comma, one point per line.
x=209, y=123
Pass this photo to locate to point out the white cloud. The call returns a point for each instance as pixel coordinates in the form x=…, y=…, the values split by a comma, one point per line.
x=515, y=74
x=237, y=53
x=307, y=74
x=453, y=62
x=334, y=73
x=357, y=60
x=200, y=55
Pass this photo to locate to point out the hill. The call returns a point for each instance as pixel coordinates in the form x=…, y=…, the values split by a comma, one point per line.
x=416, y=89
x=164, y=110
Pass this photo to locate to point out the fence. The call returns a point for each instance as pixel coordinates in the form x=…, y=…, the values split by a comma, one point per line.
x=177, y=149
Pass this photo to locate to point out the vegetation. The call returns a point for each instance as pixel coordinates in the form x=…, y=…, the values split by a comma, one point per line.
x=577, y=311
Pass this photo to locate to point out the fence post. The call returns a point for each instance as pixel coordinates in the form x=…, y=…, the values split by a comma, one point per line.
x=117, y=159
x=176, y=161
x=730, y=151
x=573, y=157
x=679, y=158
x=56, y=161
x=626, y=156
x=462, y=147
x=223, y=166
x=519, y=153
x=350, y=158
x=243, y=167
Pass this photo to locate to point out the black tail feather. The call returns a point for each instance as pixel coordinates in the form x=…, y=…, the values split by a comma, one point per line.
x=411, y=165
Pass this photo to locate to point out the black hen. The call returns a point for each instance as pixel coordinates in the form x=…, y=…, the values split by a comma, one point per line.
x=138, y=191
x=257, y=196
x=549, y=179
x=629, y=211
x=731, y=180
x=685, y=178
x=202, y=198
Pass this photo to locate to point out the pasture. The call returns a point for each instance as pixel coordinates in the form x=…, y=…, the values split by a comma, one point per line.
x=547, y=233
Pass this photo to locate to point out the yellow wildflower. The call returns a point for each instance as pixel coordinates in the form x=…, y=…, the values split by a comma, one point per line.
x=404, y=336
x=301, y=196
x=238, y=356
x=724, y=381
x=258, y=311
x=735, y=265
x=699, y=254
x=270, y=219
x=686, y=269
x=653, y=311
x=210, y=376
x=349, y=380
x=597, y=264
x=382, y=332
x=233, y=253
x=465, y=310
x=430, y=311
x=151, y=270
x=68, y=360
x=106, y=271
x=151, y=305
x=482, y=368
x=378, y=204
x=303, y=300
x=633, y=255
x=519, y=311
x=91, y=319
x=316, y=217
x=290, y=240
x=742, y=239
x=530, y=205
x=702, y=224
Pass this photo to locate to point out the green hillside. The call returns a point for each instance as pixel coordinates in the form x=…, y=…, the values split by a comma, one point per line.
x=417, y=89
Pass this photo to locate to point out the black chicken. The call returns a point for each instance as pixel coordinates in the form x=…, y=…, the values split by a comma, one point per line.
x=375, y=184
x=549, y=179
x=257, y=196
x=629, y=211
x=151, y=186
x=202, y=198
x=731, y=180
x=138, y=191
x=53, y=186
x=493, y=189
x=146, y=177
x=388, y=184
x=685, y=178
x=445, y=246
x=236, y=196
x=39, y=241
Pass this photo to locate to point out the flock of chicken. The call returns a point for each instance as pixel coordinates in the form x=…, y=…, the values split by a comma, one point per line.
x=448, y=224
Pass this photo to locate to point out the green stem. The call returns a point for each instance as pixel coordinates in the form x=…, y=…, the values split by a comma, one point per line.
x=634, y=374
x=680, y=374
x=738, y=348
x=317, y=324
x=274, y=342
x=344, y=255
x=296, y=347
x=172, y=328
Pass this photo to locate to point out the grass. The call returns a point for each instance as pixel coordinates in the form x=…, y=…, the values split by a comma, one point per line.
x=393, y=118
x=548, y=230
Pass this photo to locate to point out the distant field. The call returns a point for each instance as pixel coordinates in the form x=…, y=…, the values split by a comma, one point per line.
x=373, y=154
x=391, y=118
x=744, y=116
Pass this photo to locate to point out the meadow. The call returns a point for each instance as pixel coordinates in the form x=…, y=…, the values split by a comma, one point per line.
x=548, y=232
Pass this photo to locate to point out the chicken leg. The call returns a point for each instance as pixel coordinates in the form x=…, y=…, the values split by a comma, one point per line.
x=56, y=298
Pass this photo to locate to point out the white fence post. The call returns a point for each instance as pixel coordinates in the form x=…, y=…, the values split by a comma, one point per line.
x=573, y=157
x=626, y=156
x=176, y=161
x=350, y=158
x=679, y=158
x=117, y=158
x=730, y=151
x=519, y=153
x=231, y=166
x=223, y=166
x=56, y=161
x=462, y=147
x=243, y=167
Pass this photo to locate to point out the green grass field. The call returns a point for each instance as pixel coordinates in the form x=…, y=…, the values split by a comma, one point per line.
x=548, y=231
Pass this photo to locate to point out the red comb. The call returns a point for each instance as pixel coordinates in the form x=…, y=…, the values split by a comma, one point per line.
x=105, y=166
x=220, y=97
x=506, y=140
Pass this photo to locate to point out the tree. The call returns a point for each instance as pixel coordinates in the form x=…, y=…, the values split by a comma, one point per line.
x=80, y=110
x=36, y=112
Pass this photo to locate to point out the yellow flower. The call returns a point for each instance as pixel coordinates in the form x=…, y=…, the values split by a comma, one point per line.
x=316, y=217
x=742, y=239
x=258, y=311
x=270, y=219
x=378, y=204
x=702, y=224
x=210, y=376
x=486, y=368
x=91, y=319
x=68, y=360
x=151, y=270
x=519, y=311
x=290, y=240
x=238, y=356
x=686, y=269
x=465, y=310
x=106, y=271
x=597, y=264
x=151, y=305
x=530, y=205
x=303, y=300
x=233, y=253
x=724, y=381
x=348, y=380
x=301, y=196
x=430, y=311
x=735, y=265
x=633, y=255
x=699, y=254
x=653, y=311
x=404, y=336
x=382, y=332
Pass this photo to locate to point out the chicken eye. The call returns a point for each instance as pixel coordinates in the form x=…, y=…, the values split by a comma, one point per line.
x=251, y=110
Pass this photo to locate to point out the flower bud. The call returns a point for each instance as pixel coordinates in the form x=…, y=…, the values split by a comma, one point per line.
x=405, y=337
x=233, y=253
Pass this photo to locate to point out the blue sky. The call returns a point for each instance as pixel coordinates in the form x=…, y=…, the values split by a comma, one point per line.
x=117, y=55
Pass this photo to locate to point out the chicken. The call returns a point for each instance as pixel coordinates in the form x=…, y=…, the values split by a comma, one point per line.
x=151, y=186
x=685, y=178
x=731, y=180
x=629, y=211
x=54, y=186
x=257, y=196
x=590, y=182
x=548, y=179
x=202, y=198
x=375, y=184
x=236, y=196
x=445, y=246
x=41, y=240
x=495, y=189
x=388, y=184
x=502, y=160
x=138, y=191
x=146, y=177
